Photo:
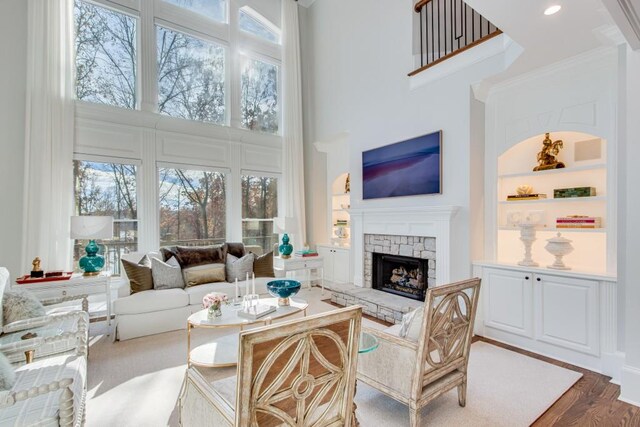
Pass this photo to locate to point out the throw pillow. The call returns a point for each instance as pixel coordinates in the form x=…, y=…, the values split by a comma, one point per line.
x=20, y=304
x=140, y=277
x=263, y=265
x=191, y=256
x=406, y=322
x=237, y=268
x=166, y=275
x=202, y=274
x=415, y=326
x=236, y=249
x=7, y=374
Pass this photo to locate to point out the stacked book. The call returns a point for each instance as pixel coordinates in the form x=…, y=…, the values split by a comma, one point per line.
x=342, y=223
x=305, y=253
x=534, y=196
x=578, y=221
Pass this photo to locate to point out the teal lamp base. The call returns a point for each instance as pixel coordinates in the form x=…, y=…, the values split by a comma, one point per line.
x=92, y=263
x=286, y=249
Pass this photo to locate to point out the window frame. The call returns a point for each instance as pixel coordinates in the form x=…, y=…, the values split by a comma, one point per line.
x=280, y=206
x=248, y=56
x=262, y=20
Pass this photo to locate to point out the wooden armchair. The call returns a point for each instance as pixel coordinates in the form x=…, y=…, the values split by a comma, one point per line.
x=416, y=372
x=59, y=328
x=297, y=373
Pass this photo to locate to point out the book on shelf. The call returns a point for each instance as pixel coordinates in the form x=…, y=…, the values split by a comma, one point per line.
x=576, y=226
x=305, y=254
x=578, y=221
x=256, y=311
x=535, y=196
x=565, y=193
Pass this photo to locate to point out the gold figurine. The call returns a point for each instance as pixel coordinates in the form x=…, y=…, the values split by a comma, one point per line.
x=36, y=264
x=347, y=184
x=547, y=156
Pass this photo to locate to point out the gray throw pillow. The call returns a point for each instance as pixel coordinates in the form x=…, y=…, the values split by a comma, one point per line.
x=7, y=373
x=20, y=304
x=166, y=275
x=237, y=268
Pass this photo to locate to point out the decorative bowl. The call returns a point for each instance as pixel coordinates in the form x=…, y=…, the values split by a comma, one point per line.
x=283, y=289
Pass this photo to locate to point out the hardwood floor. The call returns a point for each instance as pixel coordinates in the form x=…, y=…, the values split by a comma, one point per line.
x=592, y=401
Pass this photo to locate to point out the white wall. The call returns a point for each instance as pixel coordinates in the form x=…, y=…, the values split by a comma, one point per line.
x=13, y=29
x=361, y=56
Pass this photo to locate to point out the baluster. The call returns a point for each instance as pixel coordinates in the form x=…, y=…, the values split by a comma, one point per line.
x=433, y=46
x=421, y=51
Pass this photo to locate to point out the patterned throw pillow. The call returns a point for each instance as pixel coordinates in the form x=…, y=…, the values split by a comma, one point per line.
x=7, y=373
x=237, y=268
x=140, y=277
x=211, y=273
x=263, y=265
x=166, y=275
x=20, y=304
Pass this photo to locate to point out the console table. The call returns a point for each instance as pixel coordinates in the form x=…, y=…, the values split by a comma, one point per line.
x=77, y=285
x=286, y=265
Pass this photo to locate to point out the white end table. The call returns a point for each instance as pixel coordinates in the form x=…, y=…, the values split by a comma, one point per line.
x=301, y=264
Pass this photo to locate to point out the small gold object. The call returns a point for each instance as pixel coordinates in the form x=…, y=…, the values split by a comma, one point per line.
x=36, y=264
x=524, y=190
x=347, y=184
x=28, y=356
x=284, y=302
x=91, y=273
x=547, y=156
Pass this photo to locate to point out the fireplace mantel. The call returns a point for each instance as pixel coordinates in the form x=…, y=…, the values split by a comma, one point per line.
x=427, y=221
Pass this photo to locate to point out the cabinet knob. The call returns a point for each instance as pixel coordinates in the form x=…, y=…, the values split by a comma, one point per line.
x=539, y=279
x=64, y=293
x=526, y=277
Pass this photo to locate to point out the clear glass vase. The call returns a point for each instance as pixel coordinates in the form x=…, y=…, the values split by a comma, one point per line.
x=214, y=311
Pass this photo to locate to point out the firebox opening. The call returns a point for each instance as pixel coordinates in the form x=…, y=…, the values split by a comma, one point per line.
x=400, y=275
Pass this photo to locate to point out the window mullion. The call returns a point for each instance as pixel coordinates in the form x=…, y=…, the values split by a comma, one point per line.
x=235, y=68
x=147, y=57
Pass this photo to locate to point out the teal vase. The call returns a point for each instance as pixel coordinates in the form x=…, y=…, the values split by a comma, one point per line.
x=286, y=249
x=92, y=263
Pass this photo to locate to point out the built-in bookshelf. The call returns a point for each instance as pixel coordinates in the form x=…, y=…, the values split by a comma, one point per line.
x=340, y=205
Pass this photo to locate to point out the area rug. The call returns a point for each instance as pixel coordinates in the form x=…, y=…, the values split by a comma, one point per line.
x=137, y=383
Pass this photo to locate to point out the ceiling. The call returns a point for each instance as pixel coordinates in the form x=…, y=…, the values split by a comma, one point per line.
x=577, y=28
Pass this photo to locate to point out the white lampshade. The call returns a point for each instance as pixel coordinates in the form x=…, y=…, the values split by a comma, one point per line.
x=91, y=227
x=285, y=224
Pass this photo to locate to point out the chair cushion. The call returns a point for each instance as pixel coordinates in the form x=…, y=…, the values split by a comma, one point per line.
x=20, y=304
x=166, y=275
x=150, y=301
x=263, y=265
x=7, y=373
x=196, y=293
x=226, y=388
x=44, y=409
x=238, y=268
x=139, y=274
x=394, y=330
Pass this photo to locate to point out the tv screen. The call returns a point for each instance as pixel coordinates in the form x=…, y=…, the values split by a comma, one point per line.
x=406, y=168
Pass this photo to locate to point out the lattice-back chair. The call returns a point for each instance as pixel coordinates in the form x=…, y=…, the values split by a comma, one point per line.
x=298, y=373
x=416, y=371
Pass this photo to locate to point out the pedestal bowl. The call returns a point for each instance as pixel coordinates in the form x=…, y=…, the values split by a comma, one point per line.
x=283, y=289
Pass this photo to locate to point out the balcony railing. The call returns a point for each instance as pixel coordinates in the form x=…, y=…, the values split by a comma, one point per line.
x=447, y=28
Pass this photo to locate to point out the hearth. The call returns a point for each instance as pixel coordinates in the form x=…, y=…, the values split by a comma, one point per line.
x=400, y=275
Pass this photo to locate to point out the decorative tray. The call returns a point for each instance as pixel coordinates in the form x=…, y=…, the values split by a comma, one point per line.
x=28, y=279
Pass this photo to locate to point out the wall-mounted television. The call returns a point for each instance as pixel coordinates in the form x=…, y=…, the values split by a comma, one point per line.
x=407, y=168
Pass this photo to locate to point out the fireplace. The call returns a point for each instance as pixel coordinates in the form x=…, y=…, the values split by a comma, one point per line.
x=400, y=275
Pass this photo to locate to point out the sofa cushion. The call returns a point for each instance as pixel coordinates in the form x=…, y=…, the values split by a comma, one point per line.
x=139, y=274
x=209, y=273
x=196, y=293
x=263, y=265
x=149, y=301
x=190, y=256
x=239, y=268
x=166, y=275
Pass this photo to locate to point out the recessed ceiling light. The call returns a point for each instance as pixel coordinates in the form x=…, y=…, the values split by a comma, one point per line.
x=552, y=9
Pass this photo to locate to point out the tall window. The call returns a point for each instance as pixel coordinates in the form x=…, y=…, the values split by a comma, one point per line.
x=214, y=9
x=259, y=207
x=105, y=55
x=108, y=189
x=190, y=77
x=251, y=23
x=259, y=96
x=192, y=207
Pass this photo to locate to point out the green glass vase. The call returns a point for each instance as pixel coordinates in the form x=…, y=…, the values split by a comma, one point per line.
x=286, y=249
x=92, y=263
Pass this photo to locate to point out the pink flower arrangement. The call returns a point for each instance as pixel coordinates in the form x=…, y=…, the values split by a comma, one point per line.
x=214, y=300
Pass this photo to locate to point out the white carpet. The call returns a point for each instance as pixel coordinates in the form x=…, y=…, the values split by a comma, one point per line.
x=136, y=383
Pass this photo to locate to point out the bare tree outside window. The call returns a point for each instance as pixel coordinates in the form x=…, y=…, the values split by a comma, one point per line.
x=192, y=207
x=190, y=77
x=259, y=96
x=108, y=189
x=259, y=207
x=213, y=9
x=105, y=56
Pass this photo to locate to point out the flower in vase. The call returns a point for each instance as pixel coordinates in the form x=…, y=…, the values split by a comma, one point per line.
x=214, y=300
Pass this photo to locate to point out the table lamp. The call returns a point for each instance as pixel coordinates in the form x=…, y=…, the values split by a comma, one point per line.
x=91, y=228
x=283, y=225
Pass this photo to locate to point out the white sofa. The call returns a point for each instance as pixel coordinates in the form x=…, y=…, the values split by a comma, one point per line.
x=156, y=311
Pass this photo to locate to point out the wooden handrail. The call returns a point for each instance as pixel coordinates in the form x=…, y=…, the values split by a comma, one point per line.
x=420, y=5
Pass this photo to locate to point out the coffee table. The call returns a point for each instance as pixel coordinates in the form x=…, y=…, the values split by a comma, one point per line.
x=223, y=352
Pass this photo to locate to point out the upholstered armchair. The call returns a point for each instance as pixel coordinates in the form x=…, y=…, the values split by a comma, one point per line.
x=59, y=328
x=416, y=372
x=50, y=391
x=296, y=373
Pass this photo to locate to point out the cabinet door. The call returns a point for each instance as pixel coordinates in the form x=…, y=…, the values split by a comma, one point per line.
x=508, y=301
x=341, y=266
x=567, y=312
x=327, y=254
